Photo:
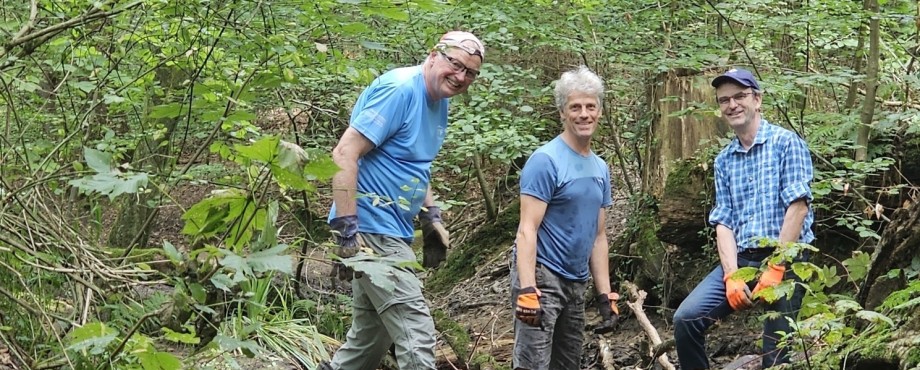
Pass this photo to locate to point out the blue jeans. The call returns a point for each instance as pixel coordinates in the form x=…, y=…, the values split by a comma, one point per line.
x=707, y=303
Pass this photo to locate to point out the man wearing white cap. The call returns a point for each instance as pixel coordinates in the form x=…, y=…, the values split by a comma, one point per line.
x=397, y=127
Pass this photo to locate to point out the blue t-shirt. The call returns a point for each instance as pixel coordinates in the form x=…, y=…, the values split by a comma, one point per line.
x=407, y=130
x=574, y=188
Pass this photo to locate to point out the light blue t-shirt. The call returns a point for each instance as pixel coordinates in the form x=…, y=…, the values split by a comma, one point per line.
x=575, y=188
x=407, y=130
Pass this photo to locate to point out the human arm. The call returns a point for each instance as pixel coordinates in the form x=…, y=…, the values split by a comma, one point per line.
x=532, y=212
x=600, y=256
x=351, y=147
x=606, y=301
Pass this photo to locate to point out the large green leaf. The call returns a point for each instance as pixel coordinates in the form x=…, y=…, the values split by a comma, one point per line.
x=93, y=337
x=383, y=271
x=112, y=184
x=263, y=150
x=156, y=360
x=99, y=161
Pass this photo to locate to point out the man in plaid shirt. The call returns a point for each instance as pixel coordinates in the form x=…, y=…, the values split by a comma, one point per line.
x=762, y=192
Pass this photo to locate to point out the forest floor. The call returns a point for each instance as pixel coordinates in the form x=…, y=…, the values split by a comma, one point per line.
x=482, y=306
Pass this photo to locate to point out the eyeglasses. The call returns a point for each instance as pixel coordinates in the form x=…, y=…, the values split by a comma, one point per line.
x=737, y=97
x=456, y=66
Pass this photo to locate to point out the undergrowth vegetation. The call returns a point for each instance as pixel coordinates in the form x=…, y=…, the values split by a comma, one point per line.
x=114, y=109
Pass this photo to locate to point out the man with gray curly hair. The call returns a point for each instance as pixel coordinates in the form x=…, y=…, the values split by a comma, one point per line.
x=561, y=240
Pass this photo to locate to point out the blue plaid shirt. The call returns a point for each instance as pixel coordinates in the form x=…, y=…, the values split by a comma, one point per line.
x=754, y=187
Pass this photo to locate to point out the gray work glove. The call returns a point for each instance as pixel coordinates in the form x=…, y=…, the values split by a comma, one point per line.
x=435, y=238
x=610, y=314
x=345, y=232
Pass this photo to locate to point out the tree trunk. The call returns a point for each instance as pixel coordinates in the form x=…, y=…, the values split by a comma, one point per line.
x=132, y=227
x=868, y=108
x=899, y=243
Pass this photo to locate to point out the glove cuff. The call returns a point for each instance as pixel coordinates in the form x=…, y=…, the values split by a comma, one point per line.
x=528, y=290
x=432, y=214
x=345, y=226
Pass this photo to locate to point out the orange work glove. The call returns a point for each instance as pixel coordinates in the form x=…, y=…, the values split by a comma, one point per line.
x=770, y=278
x=738, y=293
x=528, y=308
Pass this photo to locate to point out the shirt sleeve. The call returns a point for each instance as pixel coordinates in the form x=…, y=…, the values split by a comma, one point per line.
x=797, y=171
x=380, y=112
x=608, y=188
x=722, y=212
x=538, y=178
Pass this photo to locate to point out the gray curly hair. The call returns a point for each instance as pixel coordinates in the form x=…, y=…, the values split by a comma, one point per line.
x=580, y=79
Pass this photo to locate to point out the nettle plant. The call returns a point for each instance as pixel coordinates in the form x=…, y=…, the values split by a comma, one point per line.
x=832, y=324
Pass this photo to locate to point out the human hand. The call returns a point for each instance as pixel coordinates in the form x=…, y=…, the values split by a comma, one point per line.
x=528, y=308
x=610, y=313
x=770, y=278
x=435, y=238
x=737, y=292
x=345, y=232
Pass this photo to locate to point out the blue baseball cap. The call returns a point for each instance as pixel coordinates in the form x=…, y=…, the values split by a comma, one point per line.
x=739, y=76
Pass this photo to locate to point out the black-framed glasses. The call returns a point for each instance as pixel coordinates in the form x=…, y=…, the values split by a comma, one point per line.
x=456, y=66
x=737, y=97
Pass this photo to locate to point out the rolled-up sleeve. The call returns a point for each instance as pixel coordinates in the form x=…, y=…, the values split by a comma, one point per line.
x=797, y=172
x=722, y=212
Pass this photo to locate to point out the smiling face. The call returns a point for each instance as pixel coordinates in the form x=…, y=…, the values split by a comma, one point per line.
x=450, y=71
x=739, y=105
x=580, y=115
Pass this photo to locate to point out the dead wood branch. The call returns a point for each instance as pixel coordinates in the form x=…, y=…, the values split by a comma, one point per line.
x=637, y=298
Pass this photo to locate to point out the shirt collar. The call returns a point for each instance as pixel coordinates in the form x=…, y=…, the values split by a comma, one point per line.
x=764, y=132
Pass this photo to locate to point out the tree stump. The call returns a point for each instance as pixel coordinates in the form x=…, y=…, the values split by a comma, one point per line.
x=899, y=243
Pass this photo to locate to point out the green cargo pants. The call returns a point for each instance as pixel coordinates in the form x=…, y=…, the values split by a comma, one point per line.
x=382, y=318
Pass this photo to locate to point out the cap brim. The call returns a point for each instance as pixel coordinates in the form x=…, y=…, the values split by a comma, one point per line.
x=718, y=81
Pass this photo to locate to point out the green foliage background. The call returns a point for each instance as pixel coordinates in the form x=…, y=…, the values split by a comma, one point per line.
x=111, y=107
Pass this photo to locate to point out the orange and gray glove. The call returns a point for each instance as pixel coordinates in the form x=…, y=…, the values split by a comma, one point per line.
x=770, y=278
x=528, y=308
x=435, y=238
x=345, y=232
x=737, y=292
x=607, y=308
